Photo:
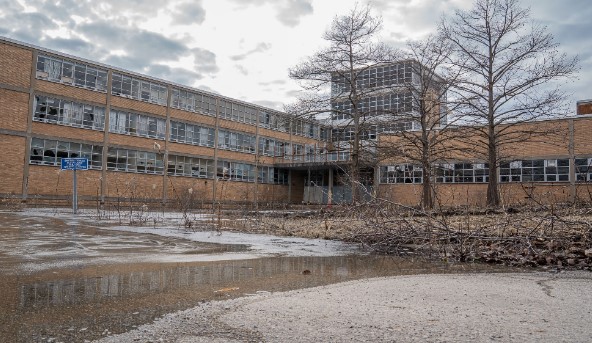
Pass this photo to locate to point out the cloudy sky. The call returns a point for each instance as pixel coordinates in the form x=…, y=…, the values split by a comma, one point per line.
x=243, y=48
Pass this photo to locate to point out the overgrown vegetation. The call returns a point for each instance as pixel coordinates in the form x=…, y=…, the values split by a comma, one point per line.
x=524, y=236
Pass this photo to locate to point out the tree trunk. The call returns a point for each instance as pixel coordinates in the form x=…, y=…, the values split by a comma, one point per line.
x=355, y=163
x=493, y=197
x=427, y=200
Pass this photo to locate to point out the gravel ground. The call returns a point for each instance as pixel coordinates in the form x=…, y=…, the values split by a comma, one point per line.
x=539, y=307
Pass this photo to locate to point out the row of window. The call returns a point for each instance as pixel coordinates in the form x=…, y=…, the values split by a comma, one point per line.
x=238, y=112
x=192, y=134
x=542, y=170
x=273, y=147
x=535, y=171
x=191, y=166
x=138, y=89
x=379, y=76
x=135, y=161
x=236, y=141
x=71, y=73
x=226, y=170
x=129, y=123
x=193, y=102
x=347, y=133
x=82, y=75
x=50, y=152
x=70, y=113
x=147, y=162
x=386, y=104
x=65, y=112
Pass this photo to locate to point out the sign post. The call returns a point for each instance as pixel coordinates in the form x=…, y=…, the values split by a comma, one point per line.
x=74, y=164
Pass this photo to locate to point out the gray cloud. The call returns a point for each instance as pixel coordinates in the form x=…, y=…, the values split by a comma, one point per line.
x=178, y=75
x=143, y=45
x=205, y=61
x=190, y=13
x=261, y=47
x=109, y=27
x=290, y=13
x=28, y=27
x=73, y=45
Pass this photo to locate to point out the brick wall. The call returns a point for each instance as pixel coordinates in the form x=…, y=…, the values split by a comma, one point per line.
x=51, y=181
x=132, y=185
x=235, y=126
x=177, y=148
x=14, y=109
x=70, y=92
x=16, y=65
x=583, y=136
x=138, y=106
x=233, y=155
x=549, y=139
x=11, y=176
x=141, y=143
x=193, y=118
x=235, y=191
x=67, y=133
x=178, y=186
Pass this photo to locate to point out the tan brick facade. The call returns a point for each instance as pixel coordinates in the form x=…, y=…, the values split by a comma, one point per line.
x=14, y=110
x=16, y=65
x=51, y=181
x=570, y=138
x=69, y=92
x=47, y=181
x=566, y=138
x=11, y=180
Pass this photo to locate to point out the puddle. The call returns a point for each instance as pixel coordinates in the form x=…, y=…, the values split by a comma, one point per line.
x=34, y=244
x=93, y=282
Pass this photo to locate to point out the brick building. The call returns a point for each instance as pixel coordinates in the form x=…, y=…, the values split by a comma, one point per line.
x=153, y=140
x=144, y=138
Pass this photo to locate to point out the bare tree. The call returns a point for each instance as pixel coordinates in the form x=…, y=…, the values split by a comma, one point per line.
x=511, y=72
x=421, y=132
x=334, y=78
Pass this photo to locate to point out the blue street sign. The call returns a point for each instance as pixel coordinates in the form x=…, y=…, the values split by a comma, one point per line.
x=75, y=163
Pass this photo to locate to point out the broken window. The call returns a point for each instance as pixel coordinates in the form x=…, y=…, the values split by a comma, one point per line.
x=236, y=141
x=191, y=134
x=272, y=175
x=50, y=152
x=130, y=87
x=190, y=166
x=129, y=123
x=135, y=161
x=70, y=113
x=583, y=169
x=401, y=173
x=71, y=73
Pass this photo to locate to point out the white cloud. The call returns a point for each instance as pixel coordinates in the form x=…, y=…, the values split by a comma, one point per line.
x=198, y=42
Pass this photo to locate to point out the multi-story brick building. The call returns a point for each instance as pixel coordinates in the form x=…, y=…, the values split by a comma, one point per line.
x=149, y=139
x=144, y=138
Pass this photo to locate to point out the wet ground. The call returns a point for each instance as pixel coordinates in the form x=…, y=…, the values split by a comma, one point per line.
x=70, y=281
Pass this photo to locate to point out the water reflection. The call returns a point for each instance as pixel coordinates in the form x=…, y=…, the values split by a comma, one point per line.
x=212, y=275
